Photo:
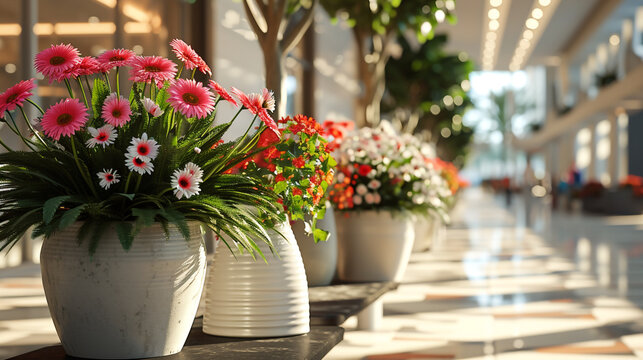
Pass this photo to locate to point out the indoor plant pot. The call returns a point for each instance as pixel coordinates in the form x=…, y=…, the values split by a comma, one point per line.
x=373, y=245
x=320, y=259
x=423, y=228
x=121, y=304
x=247, y=297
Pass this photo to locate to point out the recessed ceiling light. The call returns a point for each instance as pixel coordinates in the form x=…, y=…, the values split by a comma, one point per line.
x=615, y=40
x=524, y=43
x=494, y=14
x=528, y=34
x=531, y=23
x=544, y=2
x=495, y=3
x=537, y=13
x=494, y=25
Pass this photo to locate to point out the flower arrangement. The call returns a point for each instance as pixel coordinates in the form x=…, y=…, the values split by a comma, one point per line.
x=380, y=169
x=298, y=166
x=150, y=154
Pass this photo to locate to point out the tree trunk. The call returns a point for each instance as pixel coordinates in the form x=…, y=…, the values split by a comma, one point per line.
x=371, y=76
x=276, y=79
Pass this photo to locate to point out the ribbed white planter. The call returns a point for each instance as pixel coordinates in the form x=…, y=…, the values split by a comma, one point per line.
x=123, y=304
x=373, y=245
x=320, y=259
x=251, y=298
x=424, y=230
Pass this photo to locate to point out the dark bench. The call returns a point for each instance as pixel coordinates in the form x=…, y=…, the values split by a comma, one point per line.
x=330, y=306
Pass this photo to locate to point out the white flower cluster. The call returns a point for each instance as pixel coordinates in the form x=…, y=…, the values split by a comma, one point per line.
x=390, y=160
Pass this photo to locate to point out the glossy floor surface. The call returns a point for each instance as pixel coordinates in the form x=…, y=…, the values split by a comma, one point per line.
x=566, y=287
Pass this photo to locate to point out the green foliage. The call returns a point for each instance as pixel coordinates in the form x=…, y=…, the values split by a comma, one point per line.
x=421, y=77
x=397, y=16
x=57, y=185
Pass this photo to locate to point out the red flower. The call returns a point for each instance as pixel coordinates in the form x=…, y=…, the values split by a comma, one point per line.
x=259, y=104
x=223, y=93
x=364, y=169
x=267, y=138
x=280, y=177
x=299, y=162
x=296, y=191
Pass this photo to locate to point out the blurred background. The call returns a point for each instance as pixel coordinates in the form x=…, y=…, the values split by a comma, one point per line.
x=539, y=103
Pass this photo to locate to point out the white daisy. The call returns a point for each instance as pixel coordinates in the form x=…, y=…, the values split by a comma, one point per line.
x=152, y=108
x=184, y=184
x=102, y=136
x=141, y=166
x=143, y=148
x=107, y=178
x=195, y=171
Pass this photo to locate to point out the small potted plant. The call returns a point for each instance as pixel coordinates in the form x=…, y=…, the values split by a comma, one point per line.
x=296, y=164
x=381, y=181
x=121, y=184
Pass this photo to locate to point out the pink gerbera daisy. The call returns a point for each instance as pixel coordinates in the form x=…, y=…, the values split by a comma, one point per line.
x=190, y=98
x=57, y=59
x=16, y=96
x=189, y=57
x=102, y=136
x=143, y=148
x=116, y=57
x=116, y=110
x=223, y=93
x=134, y=163
x=184, y=184
x=88, y=66
x=259, y=104
x=152, y=69
x=107, y=178
x=64, y=118
x=152, y=108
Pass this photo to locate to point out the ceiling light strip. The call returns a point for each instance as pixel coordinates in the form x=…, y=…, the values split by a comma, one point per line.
x=494, y=24
x=535, y=24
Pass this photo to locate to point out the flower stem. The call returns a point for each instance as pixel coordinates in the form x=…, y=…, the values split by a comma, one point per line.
x=138, y=183
x=129, y=176
x=31, y=126
x=68, y=85
x=80, y=168
x=118, y=83
x=82, y=90
x=178, y=74
x=107, y=81
x=5, y=146
x=16, y=130
x=89, y=88
x=36, y=105
x=193, y=72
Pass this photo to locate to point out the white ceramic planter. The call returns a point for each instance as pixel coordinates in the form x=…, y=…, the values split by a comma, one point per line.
x=320, y=259
x=251, y=298
x=373, y=245
x=423, y=227
x=123, y=304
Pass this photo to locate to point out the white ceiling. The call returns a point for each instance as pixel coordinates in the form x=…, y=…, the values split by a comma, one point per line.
x=568, y=19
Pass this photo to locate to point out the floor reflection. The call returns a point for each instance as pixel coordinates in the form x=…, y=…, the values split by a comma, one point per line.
x=516, y=283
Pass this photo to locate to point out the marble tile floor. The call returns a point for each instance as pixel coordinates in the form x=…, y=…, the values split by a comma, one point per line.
x=568, y=287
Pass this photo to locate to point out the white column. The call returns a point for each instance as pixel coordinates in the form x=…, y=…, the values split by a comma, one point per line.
x=28, y=50
x=623, y=168
x=612, y=162
x=591, y=168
